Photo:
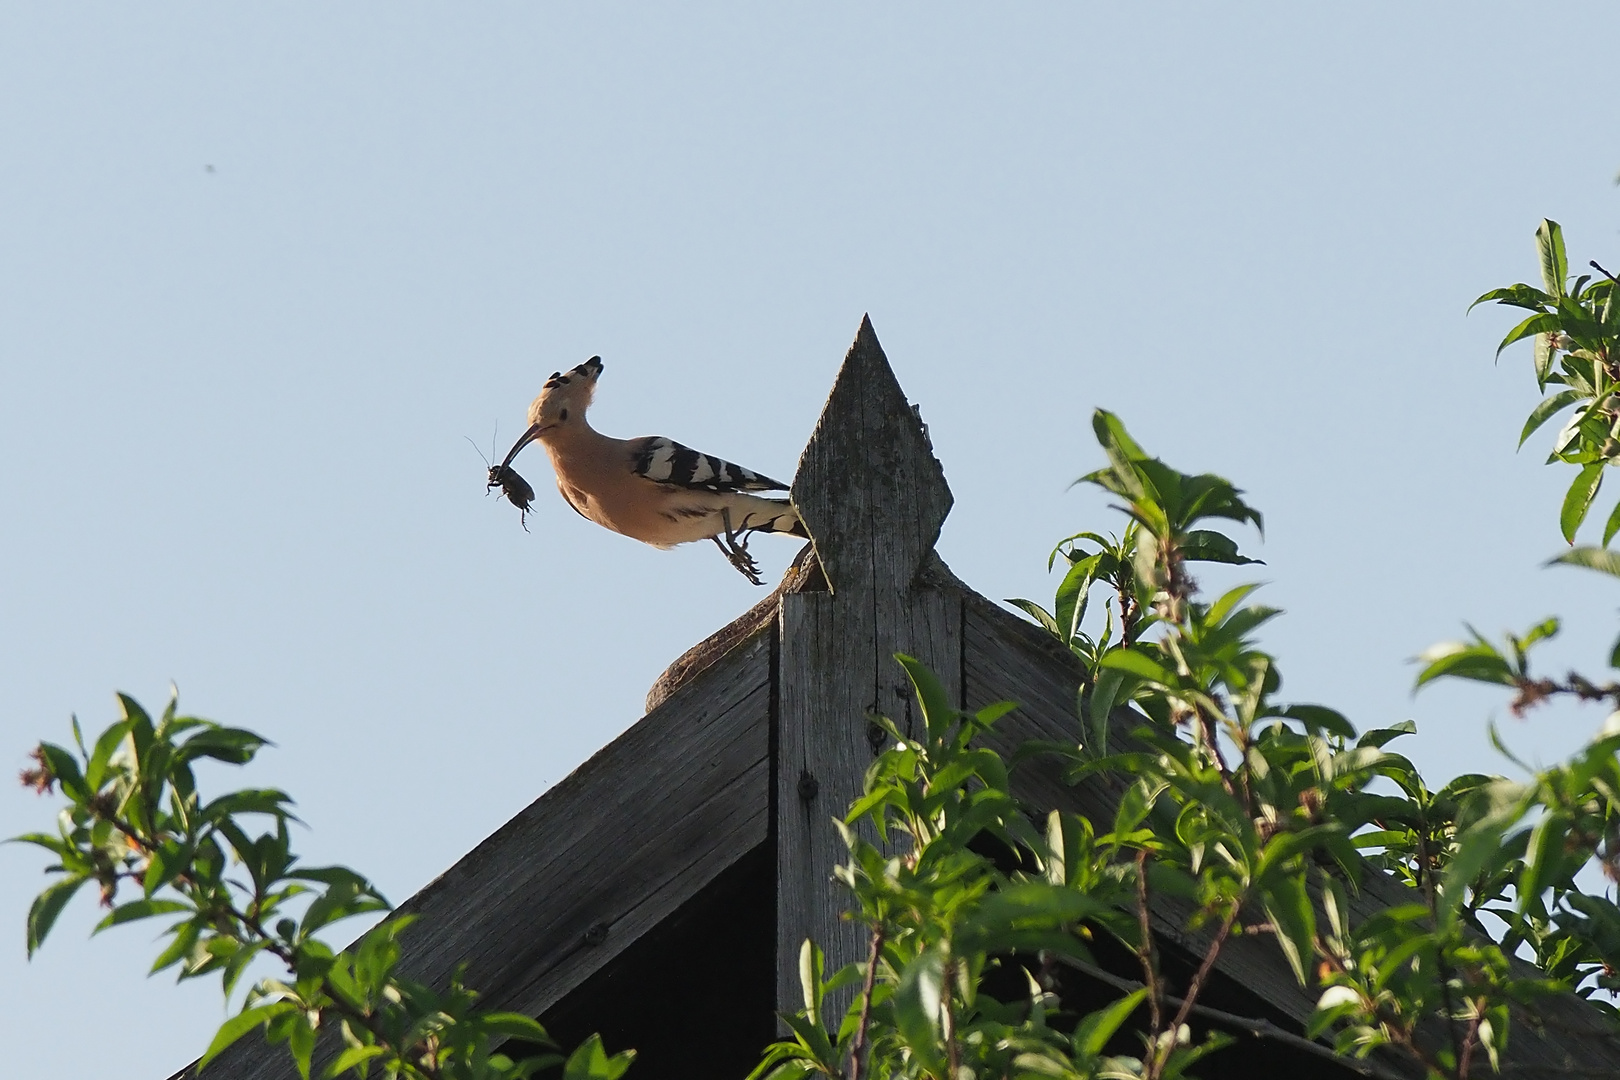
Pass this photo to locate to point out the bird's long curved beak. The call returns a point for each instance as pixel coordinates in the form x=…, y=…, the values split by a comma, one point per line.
x=523, y=440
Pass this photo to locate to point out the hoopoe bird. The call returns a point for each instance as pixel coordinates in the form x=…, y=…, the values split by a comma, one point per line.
x=650, y=489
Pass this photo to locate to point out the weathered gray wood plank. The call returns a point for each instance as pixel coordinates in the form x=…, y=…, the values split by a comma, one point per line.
x=873, y=498
x=822, y=754
x=599, y=859
x=868, y=488
x=802, y=573
x=837, y=667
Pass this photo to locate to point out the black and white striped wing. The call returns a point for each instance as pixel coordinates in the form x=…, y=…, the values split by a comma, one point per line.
x=666, y=461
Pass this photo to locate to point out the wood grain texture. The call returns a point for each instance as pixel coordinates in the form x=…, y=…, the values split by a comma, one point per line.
x=618, y=845
x=873, y=499
x=823, y=753
x=838, y=667
x=802, y=576
x=868, y=488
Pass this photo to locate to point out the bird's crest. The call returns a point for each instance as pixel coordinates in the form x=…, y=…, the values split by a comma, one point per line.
x=588, y=371
x=566, y=393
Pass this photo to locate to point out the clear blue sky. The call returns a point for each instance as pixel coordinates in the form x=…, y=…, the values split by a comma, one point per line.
x=233, y=401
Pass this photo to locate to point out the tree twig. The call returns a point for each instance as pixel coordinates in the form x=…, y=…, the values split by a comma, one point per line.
x=1144, y=951
x=1260, y=1029
x=866, y=1002
x=1202, y=973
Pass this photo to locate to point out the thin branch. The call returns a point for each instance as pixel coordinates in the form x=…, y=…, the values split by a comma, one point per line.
x=1396, y=1027
x=366, y=1018
x=1197, y=983
x=1144, y=951
x=866, y=1002
x=1468, y=1045
x=1260, y=1029
x=252, y=924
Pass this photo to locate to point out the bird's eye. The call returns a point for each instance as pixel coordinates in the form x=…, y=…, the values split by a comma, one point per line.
x=563, y=415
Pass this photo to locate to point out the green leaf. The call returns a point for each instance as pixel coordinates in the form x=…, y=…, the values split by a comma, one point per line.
x=65, y=768
x=239, y=1025
x=1592, y=558
x=352, y=1057
x=1139, y=664
x=1070, y=603
x=810, y=967
x=1535, y=324
x=988, y=715
x=301, y=1042
x=1378, y=737
x=249, y=801
x=1542, y=852
x=783, y=1061
x=185, y=940
x=1320, y=718
x=1336, y=905
x=1479, y=662
x=1104, y=696
x=1578, y=500
x=1542, y=355
x=1481, y=849
x=1091, y=1035
x=1521, y=296
x=917, y=1003
x=1493, y=1034
x=1335, y=1003
x=47, y=906
x=1549, y=407
x=936, y=704
x=1113, y=437
x=139, y=909
x=590, y=1061
x=1289, y=907
x=514, y=1025
x=1223, y=607
x=1554, y=263
x=54, y=844
x=107, y=744
x=235, y=746
x=1611, y=526
x=1041, y=616
x=812, y=1038
x=1206, y=545
x=1135, y=804
x=236, y=963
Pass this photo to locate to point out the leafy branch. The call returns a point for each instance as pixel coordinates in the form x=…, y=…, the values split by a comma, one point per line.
x=135, y=821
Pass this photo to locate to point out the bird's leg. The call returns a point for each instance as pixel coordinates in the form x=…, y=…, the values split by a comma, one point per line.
x=735, y=549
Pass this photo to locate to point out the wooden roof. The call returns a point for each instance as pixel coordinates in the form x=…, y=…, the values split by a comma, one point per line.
x=702, y=837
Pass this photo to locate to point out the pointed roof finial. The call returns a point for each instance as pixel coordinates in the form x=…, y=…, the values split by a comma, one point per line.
x=868, y=487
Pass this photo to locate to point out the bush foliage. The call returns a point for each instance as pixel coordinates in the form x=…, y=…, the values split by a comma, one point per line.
x=1262, y=817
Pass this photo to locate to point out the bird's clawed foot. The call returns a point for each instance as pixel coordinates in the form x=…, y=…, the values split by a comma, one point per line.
x=735, y=548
